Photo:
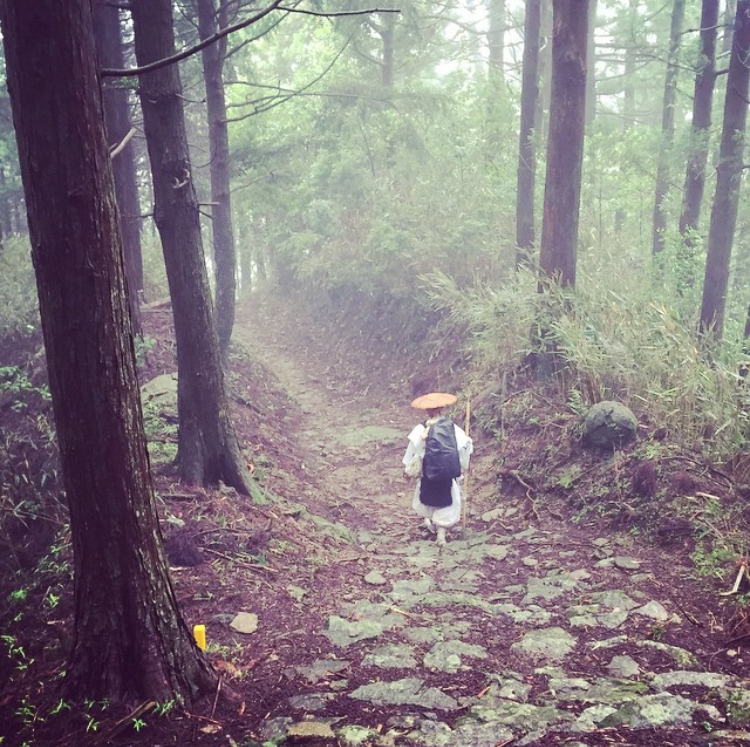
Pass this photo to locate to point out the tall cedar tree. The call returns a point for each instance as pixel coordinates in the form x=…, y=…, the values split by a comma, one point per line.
x=591, y=72
x=667, y=128
x=730, y=11
x=562, y=191
x=695, y=177
x=526, y=151
x=117, y=116
x=129, y=639
x=728, y=180
x=628, y=103
x=225, y=256
x=496, y=40
x=208, y=450
x=541, y=120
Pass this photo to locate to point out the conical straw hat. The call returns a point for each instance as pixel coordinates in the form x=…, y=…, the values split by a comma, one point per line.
x=434, y=400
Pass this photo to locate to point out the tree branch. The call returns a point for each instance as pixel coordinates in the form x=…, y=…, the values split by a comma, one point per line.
x=705, y=28
x=275, y=5
x=274, y=101
x=250, y=40
x=336, y=14
x=365, y=56
x=269, y=175
x=120, y=147
x=114, y=73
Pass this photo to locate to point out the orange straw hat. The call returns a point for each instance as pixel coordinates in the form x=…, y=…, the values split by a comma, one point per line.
x=434, y=400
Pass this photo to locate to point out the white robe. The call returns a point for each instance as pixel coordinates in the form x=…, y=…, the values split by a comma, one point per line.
x=449, y=515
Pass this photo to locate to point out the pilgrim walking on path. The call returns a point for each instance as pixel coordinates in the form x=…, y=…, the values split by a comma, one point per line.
x=438, y=453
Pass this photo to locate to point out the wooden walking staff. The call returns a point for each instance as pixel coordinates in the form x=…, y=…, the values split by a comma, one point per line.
x=466, y=476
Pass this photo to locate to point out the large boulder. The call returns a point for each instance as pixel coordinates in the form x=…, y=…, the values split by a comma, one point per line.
x=608, y=425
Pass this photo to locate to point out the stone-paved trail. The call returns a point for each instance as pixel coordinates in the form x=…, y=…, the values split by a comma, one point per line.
x=518, y=632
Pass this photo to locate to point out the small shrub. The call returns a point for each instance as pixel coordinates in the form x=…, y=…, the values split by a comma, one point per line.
x=19, y=312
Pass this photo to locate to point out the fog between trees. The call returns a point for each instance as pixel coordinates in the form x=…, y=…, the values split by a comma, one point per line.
x=562, y=180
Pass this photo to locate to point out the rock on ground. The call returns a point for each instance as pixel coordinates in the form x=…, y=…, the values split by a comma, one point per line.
x=609, y=425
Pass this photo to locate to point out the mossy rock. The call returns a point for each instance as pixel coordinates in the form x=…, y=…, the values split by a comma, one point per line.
x=608, y=425
x=737, y=702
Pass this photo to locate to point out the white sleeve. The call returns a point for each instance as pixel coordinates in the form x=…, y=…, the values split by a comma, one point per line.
x=416, y=442
x=465, y=447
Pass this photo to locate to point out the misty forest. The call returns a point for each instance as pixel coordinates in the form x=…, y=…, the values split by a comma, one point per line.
x=374, y=373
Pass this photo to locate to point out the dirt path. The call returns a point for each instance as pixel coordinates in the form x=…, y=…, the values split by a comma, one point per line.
x=522, y=631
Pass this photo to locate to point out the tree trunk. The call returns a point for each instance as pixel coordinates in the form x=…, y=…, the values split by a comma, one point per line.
x=261, y=264
x=591, y=72
x=208, y=450
x=130, y=641
x=628, y=108
x=4, y=230
x=562, y=192
x=545, y=73
x=246, y=268
x=225, y=255
x=695, y=177
x=526, y=154
x=667, y=128
x=729, y=14
x=117, y=117
x=728, y=180
x=496, y=41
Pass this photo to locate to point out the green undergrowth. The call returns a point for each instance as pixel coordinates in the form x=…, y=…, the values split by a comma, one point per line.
x=688, y=475
x=36, y=576
x=608, y=343
x=19, y=314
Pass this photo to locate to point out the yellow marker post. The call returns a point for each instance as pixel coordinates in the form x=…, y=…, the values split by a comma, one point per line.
x=199, y=633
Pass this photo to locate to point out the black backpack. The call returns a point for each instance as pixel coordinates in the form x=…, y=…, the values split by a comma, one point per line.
x=441, y=460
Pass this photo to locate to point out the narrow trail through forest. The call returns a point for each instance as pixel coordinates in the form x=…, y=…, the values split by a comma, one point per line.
x=523, y=630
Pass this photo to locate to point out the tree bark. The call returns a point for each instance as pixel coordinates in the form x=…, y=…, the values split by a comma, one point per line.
x=728, y=181
x=729, y=14
x=545, y=73
x=591, y=72
x=562, y=192
x=225, y=256
x=695, y=177
x=526, y=153
x=208, y=450
x=108, y=36
x=130, y=641
x=496, y=41
x=667, y=128
x=4, y=218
